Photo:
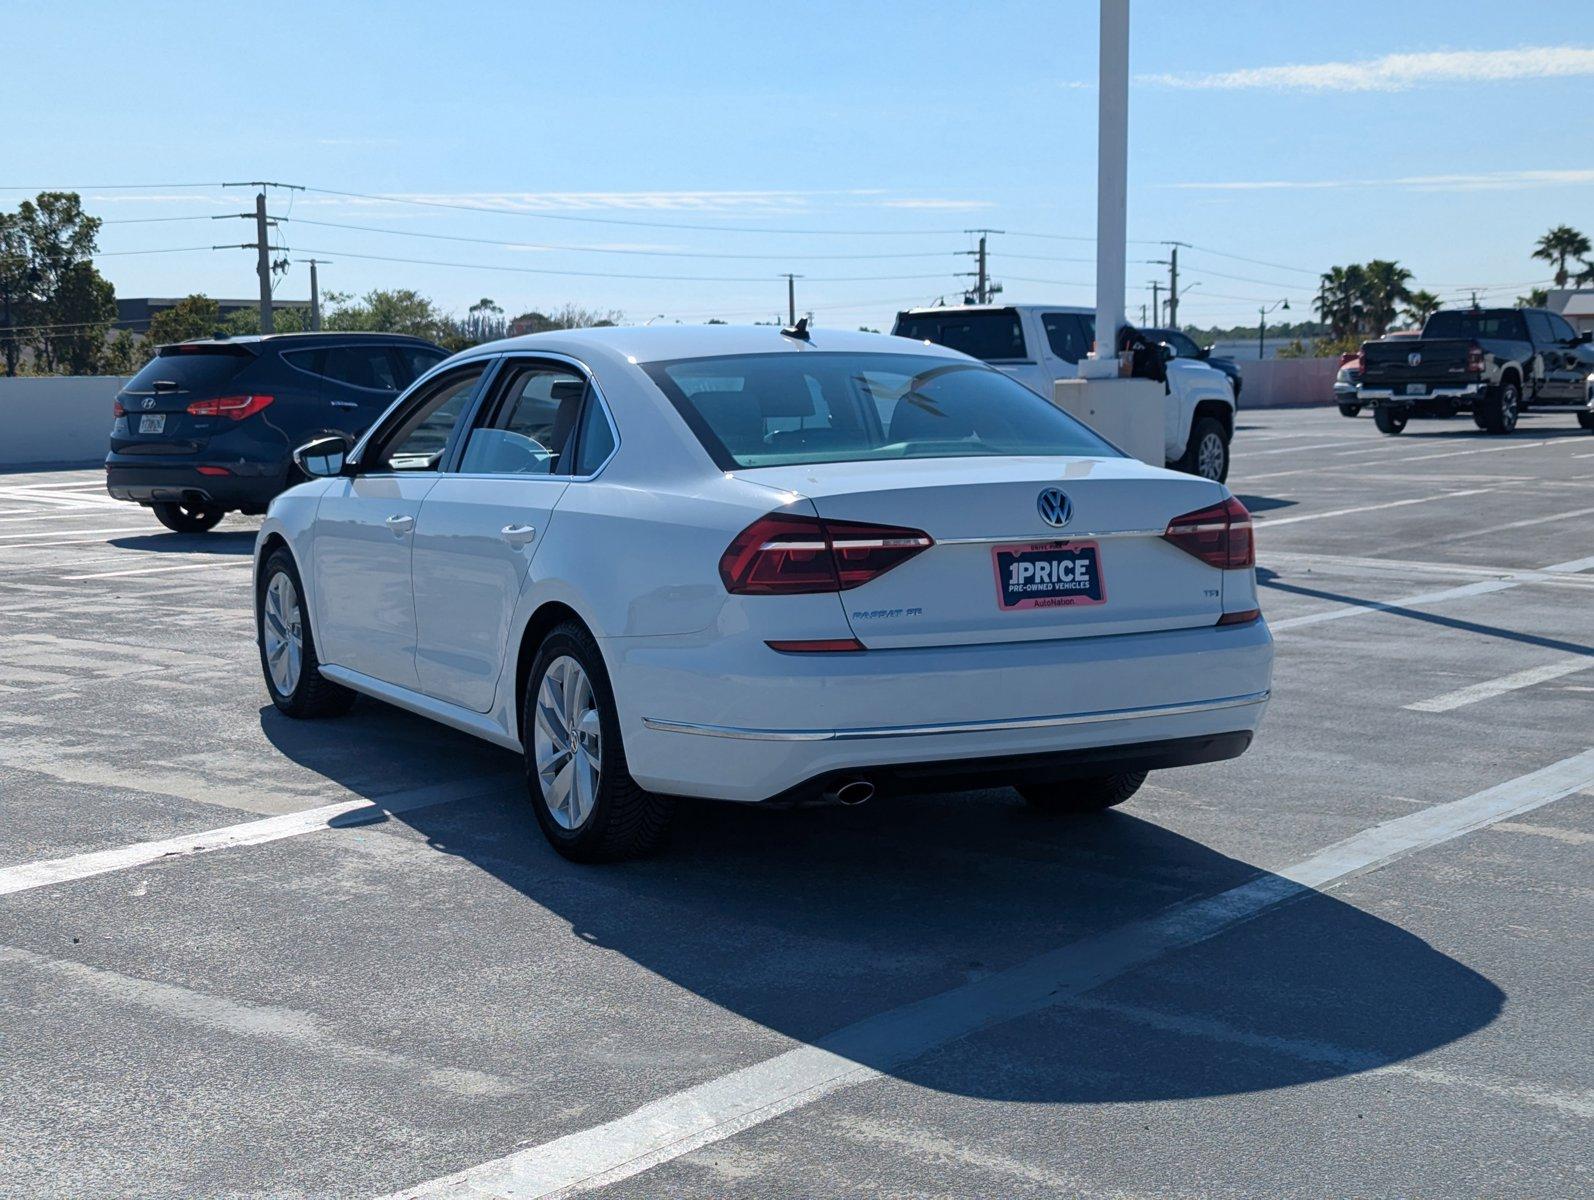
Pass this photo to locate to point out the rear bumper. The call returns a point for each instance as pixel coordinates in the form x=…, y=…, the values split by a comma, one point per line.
x=1388, y=397
x=248, y=487
x=725, y=721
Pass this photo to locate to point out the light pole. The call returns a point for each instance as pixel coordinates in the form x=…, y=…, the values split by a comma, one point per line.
x=1112, y=184
x=1261, y=325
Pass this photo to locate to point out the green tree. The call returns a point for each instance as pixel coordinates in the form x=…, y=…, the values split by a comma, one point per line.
x=378, y=311
x=17, y=280
x=1558, y=245
x=1421, y=305
x=246, y=321
x=59, y=303
x=1386, y=285
x=124, y=355
x=1537, y=298
x=196, y=316
x=82, y=311
x=1341, y=300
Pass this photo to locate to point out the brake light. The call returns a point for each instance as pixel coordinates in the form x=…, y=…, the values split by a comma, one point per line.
x=1219, y=536
x=1475, y=359
x=116, y=408
x=786, y=554
x=234, y=408
x=1361, y=360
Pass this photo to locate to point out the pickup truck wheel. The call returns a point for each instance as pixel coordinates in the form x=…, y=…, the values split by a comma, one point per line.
x=1350, y=410
x=1207, y=452
x=1388, y=420
x=1497, y=412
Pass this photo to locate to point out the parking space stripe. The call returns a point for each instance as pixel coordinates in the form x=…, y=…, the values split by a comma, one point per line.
x=1482, y=588
x=248, y=833
x=1490, y=688
x=710, y=1112
x=231, y=562
x=1265, y=522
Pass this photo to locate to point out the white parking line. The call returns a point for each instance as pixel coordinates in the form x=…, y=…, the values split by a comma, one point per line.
x=1482, y=588
x=1490, y=688
x=1318, y=470
x=231, y=562
x=1266, y=522
x=36, y=534
x=710, y=1112
x=248, y=833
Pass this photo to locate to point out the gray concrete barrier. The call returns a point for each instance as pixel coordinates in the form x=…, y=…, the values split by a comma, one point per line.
x=1288, y=382
x=56, y=419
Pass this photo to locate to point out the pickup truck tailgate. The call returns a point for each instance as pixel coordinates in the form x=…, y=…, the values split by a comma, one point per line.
x=1435, y=362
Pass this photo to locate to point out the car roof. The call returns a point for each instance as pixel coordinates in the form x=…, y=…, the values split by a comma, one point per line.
x=307, y=339
x=636, y=344
x=938, y=309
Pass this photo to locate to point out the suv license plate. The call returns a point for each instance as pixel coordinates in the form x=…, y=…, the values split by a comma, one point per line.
x=152, y=423
x=1416, y=389
x=1048, y=575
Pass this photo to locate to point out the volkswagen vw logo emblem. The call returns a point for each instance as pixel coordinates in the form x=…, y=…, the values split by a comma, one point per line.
x=1055, y=508
x=1414, y=359
x=149, y=401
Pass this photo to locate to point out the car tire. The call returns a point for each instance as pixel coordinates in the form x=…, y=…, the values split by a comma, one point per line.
x=580, y=787
x=1497, y=412
x=188, y=518
x=1586, y=420
x=1207, y=452
x=1082, y=795
x=1388, y=420
x=287, y=646
x=1350, y=410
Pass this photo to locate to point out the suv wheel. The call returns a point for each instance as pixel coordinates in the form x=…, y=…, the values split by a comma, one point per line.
x=1207, y=452
x=188, y=518
x=1586, y=420
x=1388, y=420
x=1350, y=410
x=287, y=649
x=1497, y=412
x=1082, y=795
x=588, y=805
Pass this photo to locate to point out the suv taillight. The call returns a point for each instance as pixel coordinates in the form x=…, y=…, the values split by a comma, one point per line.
x=1219, y=536
x=1475, y=360
x=786, y=554
x=234, y=408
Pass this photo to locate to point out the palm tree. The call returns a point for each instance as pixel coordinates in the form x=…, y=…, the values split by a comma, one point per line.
x=1384, y=290
x=1341, y=299
x=1561, y=243
x=1420, y=305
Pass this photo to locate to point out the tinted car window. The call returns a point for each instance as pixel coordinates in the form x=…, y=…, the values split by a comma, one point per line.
x=189, y=371
x=1065, y=333
x=1503, y=323
x=415, y=361
x=596, y=440
x=993, y=336
x=1560, y=328
x=361, y=366
x=769, y=410
x=313, y=361
x=1539, y=327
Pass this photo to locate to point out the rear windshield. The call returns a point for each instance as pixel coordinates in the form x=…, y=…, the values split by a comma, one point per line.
x=189, y=372
x=994, y=336
x=1476, y=323
x=769, y=410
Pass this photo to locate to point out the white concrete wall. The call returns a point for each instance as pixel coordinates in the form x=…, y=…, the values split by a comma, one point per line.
x=1288, y=382
x=62, y=419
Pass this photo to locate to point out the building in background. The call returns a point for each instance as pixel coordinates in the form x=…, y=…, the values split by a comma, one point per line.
x=1576, y=305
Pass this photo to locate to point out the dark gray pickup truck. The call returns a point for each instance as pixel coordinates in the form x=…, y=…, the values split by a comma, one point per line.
x=1493, y=362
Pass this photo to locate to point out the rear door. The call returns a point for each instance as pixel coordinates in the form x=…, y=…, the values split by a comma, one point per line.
x=1565, y=371
x=1000, y=571
x=360, y=381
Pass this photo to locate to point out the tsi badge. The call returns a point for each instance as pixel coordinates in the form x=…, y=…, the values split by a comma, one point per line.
x=1055, y=507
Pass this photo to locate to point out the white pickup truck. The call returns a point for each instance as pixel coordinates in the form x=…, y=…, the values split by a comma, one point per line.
x=1039, y=343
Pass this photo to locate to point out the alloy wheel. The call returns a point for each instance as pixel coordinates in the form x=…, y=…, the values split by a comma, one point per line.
x=1209, y=458
x=283, y=633
x=567, y=742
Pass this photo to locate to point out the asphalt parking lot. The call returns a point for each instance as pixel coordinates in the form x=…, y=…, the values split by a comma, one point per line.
x=936, y=996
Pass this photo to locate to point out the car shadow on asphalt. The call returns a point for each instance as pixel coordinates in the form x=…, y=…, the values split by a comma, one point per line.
x=227, y=541
x=1471, y=433
x=806, y=921
x=1261, y=504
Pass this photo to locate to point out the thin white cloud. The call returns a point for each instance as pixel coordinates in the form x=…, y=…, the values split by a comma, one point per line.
x=1398, y=72
x=933, y=202
x=1476, y=181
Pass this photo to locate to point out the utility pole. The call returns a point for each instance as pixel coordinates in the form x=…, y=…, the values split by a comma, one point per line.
x=984, y=290
x=264, y=267
x=315, y=292
x=1156, y=302
x=791, y=297
x=1173, y=282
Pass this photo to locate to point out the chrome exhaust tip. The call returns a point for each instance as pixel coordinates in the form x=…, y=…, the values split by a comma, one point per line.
x=854, y=791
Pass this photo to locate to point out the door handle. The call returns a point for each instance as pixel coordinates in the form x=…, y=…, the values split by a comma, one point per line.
x=400, y=524
x=517, y=535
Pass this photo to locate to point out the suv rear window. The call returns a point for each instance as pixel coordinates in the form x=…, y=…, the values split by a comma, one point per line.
x=992, y=335
x=1477, y=323
x=768, y=410
x=189, y=371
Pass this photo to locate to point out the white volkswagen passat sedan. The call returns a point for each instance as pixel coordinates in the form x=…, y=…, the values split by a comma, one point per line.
x=762, y=566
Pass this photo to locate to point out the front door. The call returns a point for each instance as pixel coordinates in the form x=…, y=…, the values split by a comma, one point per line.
x=480, y=528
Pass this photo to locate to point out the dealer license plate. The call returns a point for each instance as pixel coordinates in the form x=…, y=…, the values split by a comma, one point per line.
x=1048, y=575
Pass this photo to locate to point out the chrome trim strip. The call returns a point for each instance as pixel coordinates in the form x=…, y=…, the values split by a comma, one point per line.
x=1061, y=535
x=896, y=731
x=1444, y=393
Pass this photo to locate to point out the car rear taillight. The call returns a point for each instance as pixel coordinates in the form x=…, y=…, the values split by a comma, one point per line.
x=786, y=554
x=1360, y=359
x=234, y=408
x=116, y=408
x=1219, y=536
x=1475, y=360
x=1241, y=618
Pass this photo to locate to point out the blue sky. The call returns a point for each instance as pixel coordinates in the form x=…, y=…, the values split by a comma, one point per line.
x=1281, y=132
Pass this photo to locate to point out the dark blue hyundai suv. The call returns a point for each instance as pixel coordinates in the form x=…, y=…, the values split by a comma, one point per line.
x=209, y=427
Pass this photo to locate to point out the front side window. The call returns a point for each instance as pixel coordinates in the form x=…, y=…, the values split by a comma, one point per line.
x=1560, y=328
x=1539, y=327
x=778, y=409
x=421, y=440
x=1065, y=334
x=535, y=426
x=994, y=335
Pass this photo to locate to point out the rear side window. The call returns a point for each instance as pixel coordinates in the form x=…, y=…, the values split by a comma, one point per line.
x=535, y=427
x=596, y=440
x=778, y=409
x=993, y=335
x=415, y=361
x=185, y=371
x=369, y=367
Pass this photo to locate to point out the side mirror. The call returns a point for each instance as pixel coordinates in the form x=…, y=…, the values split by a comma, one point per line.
x=1206, y=353
x=1168, y=352
x=1584, y=338
x=322, y=458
